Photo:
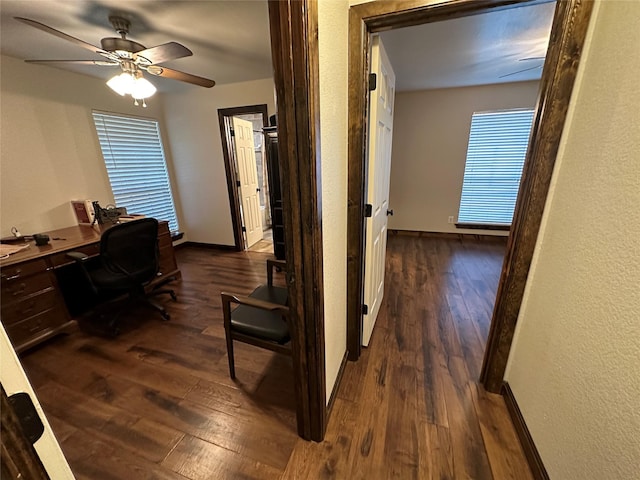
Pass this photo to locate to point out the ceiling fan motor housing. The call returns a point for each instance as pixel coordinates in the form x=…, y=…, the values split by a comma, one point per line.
x=112, y=44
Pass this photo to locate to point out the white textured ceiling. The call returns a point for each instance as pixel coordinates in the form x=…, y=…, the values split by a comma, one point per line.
x=475, y=50
x=229, y=39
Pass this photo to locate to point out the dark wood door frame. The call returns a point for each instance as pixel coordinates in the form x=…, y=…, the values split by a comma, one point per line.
x=567, y=38
x=224, y=116
x=294, y=48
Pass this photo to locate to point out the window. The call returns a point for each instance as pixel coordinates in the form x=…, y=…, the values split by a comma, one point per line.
x=134, y=157
x=497, y=147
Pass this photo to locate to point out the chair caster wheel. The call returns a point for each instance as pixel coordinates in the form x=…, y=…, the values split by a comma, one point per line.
x=174, y=297
x=166, y=316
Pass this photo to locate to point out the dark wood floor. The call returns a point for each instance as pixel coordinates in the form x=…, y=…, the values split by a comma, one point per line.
x=157, y=402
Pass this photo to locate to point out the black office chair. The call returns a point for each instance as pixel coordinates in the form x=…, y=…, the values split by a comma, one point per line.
x=128, y=263
x=260, y=319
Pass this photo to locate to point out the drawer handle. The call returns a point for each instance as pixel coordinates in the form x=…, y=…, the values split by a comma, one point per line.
x=28, y=309
x=13, y=277
x=19, y=289
x=35, y=327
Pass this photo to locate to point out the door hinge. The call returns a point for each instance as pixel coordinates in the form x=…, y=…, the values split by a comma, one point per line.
x=232, y=132
x=238, y=183
x=365, y=309
x=373, y=82
x=368, y=210
x=244, y=229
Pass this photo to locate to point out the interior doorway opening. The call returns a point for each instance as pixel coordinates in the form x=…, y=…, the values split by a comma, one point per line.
x=567, y=38
x=247, y=175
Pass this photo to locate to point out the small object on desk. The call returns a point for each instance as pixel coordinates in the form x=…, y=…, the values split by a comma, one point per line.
x=6, y=250
x=41, y=239
x=16, y=237
x=58, y=238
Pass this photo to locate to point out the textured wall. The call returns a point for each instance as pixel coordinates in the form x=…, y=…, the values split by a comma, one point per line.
x=333, y=57
x=575, y=363
x=430, y=139
x=49, y=150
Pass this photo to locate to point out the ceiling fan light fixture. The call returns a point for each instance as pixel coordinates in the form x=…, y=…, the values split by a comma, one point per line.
x=122, y=83
x=142, y=88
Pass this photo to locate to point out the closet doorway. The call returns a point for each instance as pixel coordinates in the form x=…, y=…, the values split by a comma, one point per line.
x=250, y=211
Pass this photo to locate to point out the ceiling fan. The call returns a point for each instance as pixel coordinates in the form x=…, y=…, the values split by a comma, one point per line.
x=526, y=69
x=132, y=57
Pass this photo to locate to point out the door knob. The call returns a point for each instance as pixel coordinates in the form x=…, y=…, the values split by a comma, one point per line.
x=257, y=189
x=390, y=213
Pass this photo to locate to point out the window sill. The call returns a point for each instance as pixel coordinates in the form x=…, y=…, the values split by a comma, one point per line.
x=175, y=236
x=484, y=226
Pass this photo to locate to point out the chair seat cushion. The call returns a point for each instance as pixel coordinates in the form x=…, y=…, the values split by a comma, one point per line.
x=104, y=279
x=270, y=294
x=260, y=323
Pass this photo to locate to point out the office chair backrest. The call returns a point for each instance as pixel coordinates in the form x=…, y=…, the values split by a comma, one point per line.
x=131, y=248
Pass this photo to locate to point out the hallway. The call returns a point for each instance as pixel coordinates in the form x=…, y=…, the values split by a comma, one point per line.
x=411, y=408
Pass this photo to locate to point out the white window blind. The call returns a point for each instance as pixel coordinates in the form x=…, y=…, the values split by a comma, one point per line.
x=497, y=147
x=134, y=157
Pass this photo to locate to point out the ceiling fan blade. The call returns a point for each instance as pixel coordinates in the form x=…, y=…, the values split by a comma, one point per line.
x=520, y=71
x=164, y=52
x=58, y=33
x=178, y=75
x=102, y=63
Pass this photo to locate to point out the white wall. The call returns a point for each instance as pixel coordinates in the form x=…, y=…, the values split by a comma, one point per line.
x=333, y=59
x=575, y=362
x=49, y=151
x=430, y=139
x=196, y=145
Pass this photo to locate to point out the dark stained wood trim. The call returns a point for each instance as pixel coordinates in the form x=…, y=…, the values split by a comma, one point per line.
x=18, y=457
x=568, y=34
x=567, y=38
x=451, y=235
x=294, y=43
x=336, y=386
x=213, y=246
x=528, y=445
x=224, y=114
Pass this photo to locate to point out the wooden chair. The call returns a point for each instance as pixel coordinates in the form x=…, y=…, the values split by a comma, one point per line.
x=260, y=319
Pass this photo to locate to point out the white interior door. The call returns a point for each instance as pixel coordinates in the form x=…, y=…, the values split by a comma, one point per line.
x=248, y=176
x=381, y=106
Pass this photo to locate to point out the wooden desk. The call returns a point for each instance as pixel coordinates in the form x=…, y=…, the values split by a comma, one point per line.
x=33, y=307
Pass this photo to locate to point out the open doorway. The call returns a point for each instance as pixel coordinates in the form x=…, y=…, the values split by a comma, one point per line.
x=460, y=112
x=567, y=37
x=241, y=130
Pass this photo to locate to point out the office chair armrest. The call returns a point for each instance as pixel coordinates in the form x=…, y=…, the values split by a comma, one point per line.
x=274, y=264
x=78, y=256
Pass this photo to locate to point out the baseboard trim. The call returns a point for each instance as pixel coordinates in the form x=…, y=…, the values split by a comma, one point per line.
x=529, y=447
x=212, y=246
x=452, y=236
x=336, y=385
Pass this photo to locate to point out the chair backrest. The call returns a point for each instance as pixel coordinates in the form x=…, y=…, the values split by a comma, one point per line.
x=131, y=248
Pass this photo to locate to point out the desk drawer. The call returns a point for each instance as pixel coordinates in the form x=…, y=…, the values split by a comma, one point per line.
x=36, y=326
x=29, y=306
x=164, y=241
x=61, y=259
x=21, y=270
x=22, y=287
